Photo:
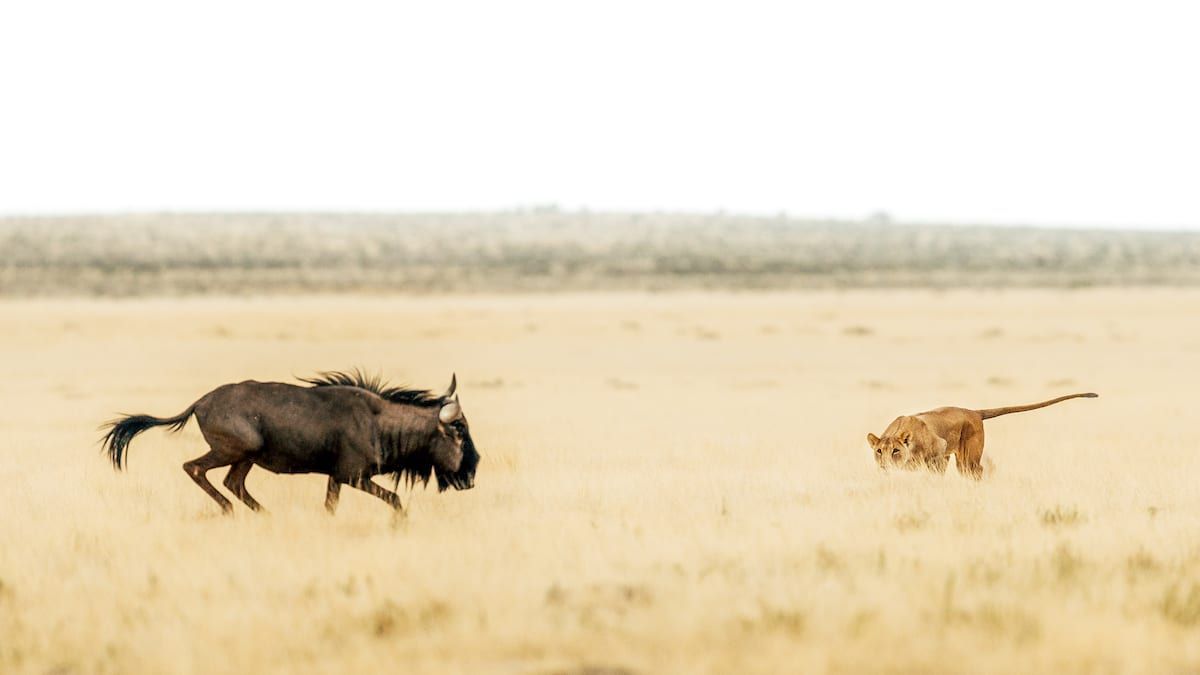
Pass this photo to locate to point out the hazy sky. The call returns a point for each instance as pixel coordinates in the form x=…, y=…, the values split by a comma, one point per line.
x=1034, y=112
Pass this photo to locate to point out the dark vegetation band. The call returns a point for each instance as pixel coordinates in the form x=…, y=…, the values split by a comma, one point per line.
x=547, y=250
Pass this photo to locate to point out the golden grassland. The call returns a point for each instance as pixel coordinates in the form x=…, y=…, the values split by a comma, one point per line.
x=669, y=483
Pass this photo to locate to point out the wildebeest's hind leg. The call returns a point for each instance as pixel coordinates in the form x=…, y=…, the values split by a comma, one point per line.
x=235, y=481
x=332, y=492
x=202, y=465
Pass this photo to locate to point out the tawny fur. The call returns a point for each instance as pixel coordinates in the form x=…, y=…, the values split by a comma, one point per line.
x=930, y=439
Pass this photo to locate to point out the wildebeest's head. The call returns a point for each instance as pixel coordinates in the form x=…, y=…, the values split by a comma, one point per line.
x=453, y=451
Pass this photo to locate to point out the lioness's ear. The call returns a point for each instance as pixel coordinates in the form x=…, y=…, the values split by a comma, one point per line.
x=872, y=439
x=906, y=439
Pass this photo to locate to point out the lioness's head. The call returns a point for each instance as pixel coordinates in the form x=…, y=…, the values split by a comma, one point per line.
x=894, y=451
x=908, y=443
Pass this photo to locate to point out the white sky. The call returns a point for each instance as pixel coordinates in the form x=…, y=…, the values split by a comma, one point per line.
x=1033, y=112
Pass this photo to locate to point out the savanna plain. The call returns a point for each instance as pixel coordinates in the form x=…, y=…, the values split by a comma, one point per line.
x=670, y=483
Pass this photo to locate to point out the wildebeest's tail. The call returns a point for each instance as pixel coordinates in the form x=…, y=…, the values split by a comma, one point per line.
x=121, y=432
x=996, y=412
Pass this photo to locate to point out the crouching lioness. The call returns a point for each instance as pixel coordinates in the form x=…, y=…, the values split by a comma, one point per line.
x=929, y=439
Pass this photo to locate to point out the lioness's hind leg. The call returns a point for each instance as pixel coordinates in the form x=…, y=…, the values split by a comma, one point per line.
x=970, y=452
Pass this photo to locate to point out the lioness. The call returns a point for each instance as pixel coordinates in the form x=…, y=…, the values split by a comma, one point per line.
x=931, y=438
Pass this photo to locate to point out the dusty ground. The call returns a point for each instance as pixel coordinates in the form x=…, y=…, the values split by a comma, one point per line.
x=672, y=483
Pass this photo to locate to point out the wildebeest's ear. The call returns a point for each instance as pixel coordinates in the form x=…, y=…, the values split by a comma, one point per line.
x=450, y=411
x=872, y=439
x=453, y=386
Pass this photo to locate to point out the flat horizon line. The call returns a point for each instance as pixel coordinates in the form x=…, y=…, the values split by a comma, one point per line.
x=879, y=218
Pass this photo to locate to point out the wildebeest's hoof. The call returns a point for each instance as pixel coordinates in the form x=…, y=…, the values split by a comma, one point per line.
x=399, y=519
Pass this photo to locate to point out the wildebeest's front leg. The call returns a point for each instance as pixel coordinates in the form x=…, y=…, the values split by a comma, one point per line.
x=332, y=492
x=365, y=484
x=358, y=461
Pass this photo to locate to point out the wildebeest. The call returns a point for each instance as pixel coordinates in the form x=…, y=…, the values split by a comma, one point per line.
x=344, y=425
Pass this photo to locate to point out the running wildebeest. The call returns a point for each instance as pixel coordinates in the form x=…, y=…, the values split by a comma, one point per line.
x=345, y=425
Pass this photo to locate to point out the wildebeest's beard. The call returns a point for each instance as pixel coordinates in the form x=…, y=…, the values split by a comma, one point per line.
x=414, y=470
x=464, y=477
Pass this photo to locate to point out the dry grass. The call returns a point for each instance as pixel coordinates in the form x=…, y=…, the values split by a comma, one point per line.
x=673, y=483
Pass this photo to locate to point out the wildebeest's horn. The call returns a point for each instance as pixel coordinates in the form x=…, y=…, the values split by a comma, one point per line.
x=450, y=412
x=453, y=386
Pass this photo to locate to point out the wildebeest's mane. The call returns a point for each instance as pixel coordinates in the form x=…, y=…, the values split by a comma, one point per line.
x=413, y=473
x=376, y=385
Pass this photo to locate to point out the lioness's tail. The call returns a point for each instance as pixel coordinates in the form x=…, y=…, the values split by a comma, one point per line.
x=996, y=412
x=121, y=431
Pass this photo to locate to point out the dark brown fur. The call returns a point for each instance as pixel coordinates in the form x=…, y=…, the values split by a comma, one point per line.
x=345, y=425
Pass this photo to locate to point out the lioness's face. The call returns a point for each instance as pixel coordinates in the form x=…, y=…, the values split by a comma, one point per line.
x=894, y=451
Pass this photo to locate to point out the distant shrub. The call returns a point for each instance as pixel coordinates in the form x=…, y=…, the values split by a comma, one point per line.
x=1061, y=517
